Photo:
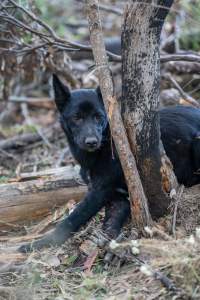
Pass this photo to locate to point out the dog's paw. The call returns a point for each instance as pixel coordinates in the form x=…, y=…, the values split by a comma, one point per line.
x=55, y=238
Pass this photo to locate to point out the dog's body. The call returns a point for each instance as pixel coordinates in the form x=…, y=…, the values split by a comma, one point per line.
x=85, y=124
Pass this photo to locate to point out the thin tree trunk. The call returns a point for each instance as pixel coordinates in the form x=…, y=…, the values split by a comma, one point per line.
x=143, y=21
x=138, y=199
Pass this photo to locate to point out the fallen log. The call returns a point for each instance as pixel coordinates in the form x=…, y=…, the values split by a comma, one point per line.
x=30, y=200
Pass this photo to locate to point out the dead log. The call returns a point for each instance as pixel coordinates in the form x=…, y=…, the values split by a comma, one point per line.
x=32, y=199
x=143, y=21
x=139, y=206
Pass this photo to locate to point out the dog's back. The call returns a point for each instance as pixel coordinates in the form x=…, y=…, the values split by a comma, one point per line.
x=180, y=134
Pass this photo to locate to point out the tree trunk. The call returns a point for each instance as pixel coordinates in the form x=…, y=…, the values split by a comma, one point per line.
x=143, y=21
x=139, y=206
x=33, y=199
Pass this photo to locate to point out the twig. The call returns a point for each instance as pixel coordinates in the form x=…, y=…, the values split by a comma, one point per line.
x=44, y=102
x=29, y=121
x=186, y=97
x=190, y=57
x=23, y=140
x=177, y=200
x=61, y=157
x=167, y=283
x=109, y=9
x=197, y=88
x=125, y=251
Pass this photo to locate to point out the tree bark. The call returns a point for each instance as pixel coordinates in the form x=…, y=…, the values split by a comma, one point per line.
x=139, y=206
x=33, y=199
x=143, y=21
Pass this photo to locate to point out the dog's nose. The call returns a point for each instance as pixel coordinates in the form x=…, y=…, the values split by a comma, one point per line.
x=91, y=142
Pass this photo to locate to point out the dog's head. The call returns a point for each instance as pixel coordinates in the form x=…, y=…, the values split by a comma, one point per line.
x=83, y=116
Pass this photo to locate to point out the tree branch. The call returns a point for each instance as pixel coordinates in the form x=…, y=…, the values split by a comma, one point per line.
x=187, y=97
x=52, y=39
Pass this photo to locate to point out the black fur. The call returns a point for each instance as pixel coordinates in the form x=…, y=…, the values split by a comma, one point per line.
x=180, y=134
x=85, y=124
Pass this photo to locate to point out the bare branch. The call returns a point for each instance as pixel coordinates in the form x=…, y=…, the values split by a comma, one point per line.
x=50, y=38
x=186, y=97
x=190, y=57
x=110, y=9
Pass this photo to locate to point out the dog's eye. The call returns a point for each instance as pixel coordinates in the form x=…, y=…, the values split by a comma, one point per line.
x=77, y=119
x=97, y=117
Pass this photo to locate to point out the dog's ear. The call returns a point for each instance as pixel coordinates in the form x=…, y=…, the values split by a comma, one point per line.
x=61, y=93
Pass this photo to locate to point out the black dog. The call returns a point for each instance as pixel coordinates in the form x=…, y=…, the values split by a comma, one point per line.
x=85, y=124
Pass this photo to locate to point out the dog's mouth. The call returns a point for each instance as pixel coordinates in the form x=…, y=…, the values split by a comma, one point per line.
x=91, y=148
x=91, y=144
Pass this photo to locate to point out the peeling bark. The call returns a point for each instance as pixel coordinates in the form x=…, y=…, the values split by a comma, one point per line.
x=143, y=21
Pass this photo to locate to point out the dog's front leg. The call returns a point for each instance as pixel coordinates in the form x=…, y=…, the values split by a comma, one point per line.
x=117, y=212
x=92, y=203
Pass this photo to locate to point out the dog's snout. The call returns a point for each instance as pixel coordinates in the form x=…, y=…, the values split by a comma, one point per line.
x=91, y=142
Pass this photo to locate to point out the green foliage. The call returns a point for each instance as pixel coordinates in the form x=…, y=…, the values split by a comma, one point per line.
x=24, y=3
x=190, y=40
x=93, y=288
x=70, y=260
x=54, y=13
x=190, y=28
x=192, y=9
x=4, y=179
x=18, y=129
x=98, y=268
